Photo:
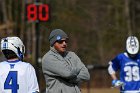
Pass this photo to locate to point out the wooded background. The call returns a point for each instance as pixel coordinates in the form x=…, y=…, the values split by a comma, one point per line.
x=97, y=30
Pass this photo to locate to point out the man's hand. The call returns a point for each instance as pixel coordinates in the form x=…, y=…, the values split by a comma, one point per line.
x=117, y=83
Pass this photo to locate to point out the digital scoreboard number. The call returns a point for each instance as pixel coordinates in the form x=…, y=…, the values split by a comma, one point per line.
x=38, y=12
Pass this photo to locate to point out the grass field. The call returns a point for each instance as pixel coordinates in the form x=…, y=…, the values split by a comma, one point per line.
x=100, y=90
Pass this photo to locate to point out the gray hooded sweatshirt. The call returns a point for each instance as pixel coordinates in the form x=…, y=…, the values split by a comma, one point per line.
x=63, y=74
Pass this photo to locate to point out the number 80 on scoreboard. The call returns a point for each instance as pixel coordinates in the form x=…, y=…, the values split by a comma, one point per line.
x=37, y=12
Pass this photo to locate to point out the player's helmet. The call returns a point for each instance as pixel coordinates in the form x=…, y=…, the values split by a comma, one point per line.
x=132, y=45
x=14, y=44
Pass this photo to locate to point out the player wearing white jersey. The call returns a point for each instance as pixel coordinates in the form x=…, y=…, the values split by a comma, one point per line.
x=128, y=63
x=16, y=76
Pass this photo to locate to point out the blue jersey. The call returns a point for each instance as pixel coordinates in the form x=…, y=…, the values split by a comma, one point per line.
x=129, y=71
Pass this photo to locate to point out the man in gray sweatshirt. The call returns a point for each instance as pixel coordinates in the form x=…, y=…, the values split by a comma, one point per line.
x=63, y=70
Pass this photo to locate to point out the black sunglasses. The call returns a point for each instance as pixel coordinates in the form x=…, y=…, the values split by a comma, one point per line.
x=61, y=41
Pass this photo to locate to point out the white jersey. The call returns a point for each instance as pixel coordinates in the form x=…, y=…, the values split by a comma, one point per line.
x=17, y=77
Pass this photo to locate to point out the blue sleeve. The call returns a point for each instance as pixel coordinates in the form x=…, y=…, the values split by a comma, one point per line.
x=116, y=63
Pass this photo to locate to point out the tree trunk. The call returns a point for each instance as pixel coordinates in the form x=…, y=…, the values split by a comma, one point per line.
x=133, y=11
x=127, y=15
x=5, y=15
x=22, y=31
x=10, y=10
x=100, y=47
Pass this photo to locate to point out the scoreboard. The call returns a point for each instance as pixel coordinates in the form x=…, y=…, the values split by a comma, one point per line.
x=37, y=12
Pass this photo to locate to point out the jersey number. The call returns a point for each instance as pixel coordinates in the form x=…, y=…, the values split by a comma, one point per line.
x=132, y=73
x=11, y=82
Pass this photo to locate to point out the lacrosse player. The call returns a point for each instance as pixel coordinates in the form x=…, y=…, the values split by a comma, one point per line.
x=16, y=76
x=128, y=63
x=63, y=70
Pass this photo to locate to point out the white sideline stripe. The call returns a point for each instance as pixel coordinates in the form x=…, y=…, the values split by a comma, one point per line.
x=136, y=91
